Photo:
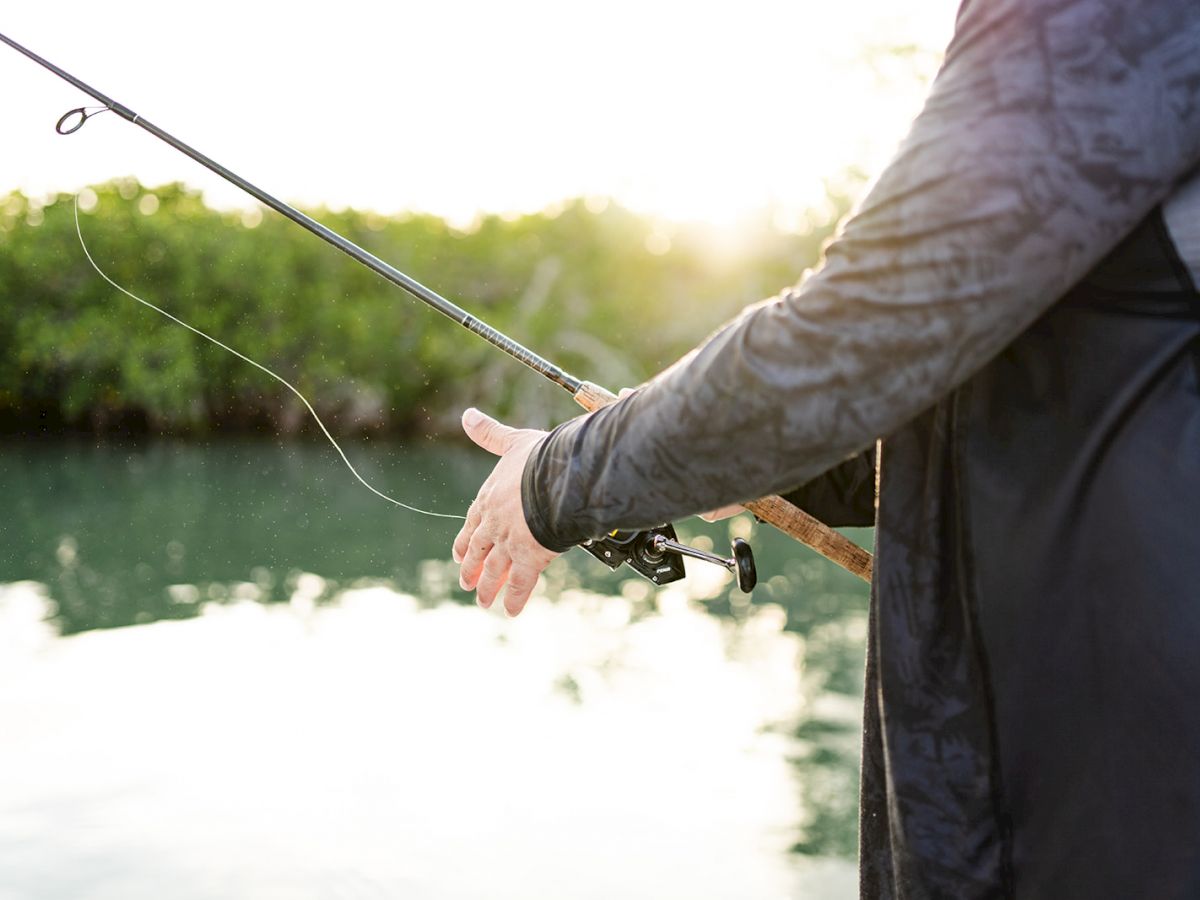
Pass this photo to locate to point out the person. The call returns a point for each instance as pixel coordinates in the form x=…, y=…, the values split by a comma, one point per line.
x=1013, y=311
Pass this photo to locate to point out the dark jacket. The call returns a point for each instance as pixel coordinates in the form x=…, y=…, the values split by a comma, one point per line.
x=1009, y=313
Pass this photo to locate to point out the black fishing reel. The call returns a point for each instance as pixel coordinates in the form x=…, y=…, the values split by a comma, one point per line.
x=657, y=554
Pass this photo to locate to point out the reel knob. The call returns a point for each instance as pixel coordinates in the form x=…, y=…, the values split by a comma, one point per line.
x=743, y=560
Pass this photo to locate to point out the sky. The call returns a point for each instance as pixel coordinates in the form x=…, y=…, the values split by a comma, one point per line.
x=685, y=111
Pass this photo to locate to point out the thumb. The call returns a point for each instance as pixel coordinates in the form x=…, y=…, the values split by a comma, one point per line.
x=492, y=436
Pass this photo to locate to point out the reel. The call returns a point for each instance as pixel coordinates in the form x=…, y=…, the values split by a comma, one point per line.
x=656, y=554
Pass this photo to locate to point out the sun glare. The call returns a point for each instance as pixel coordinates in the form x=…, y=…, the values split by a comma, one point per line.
x=698, y=113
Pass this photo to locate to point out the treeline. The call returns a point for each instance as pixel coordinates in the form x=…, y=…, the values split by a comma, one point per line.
x=608, y=295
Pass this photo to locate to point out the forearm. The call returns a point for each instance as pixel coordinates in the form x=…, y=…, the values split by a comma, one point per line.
x=1051, y=131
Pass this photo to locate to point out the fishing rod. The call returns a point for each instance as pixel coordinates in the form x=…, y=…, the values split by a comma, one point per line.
x=655, y=553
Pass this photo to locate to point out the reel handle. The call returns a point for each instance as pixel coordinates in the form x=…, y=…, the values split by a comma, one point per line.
x=741, y=563
x=787, y=517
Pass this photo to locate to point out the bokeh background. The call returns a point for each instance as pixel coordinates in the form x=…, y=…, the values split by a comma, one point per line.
x=226, y=669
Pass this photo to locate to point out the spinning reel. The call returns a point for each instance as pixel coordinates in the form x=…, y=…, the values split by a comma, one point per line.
x=657, y=554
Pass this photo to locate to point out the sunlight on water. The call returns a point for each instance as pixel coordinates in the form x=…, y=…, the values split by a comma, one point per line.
x=375, y=746
x=225, y=675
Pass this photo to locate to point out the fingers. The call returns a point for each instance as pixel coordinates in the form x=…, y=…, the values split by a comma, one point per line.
x=473, y=560
x=521, y=583
x=495, y=573
x=492, y=436
x=463, y=540
x=723, y=513
x=486, y=567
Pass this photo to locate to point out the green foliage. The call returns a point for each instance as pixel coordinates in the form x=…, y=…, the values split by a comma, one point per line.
x=578, y=286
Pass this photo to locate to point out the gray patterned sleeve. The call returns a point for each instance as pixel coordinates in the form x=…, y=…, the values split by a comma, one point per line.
x=1053, y=127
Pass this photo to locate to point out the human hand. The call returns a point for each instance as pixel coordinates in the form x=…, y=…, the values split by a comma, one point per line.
x=723, y=513
x=495, y=545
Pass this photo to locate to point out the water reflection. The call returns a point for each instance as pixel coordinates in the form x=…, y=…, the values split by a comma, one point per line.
x=335, y=716
x=110, y=528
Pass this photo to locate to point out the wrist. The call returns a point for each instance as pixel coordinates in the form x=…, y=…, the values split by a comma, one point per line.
x=537, y=519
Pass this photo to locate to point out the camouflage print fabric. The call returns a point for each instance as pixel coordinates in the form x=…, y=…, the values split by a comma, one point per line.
x=1009, y=313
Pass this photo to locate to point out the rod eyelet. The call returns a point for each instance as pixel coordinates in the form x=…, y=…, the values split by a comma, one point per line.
x=66, y=125
x=62, y=127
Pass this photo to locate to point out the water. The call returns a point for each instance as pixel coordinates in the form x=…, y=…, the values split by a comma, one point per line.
x=309, y=707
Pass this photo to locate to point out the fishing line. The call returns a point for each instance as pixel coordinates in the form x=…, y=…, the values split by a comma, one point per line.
x=287, y=384
x=779, y=512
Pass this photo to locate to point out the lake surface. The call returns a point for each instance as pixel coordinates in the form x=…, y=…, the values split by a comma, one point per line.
x=229, y=671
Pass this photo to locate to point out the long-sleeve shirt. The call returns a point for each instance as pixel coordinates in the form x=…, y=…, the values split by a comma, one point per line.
x=1009, y=313
x=1052, y=129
